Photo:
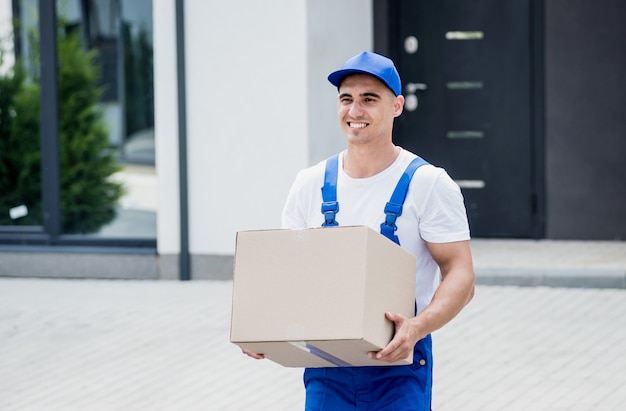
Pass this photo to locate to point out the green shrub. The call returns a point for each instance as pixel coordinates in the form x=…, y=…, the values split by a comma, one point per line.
x=20, y=175
x=88, y=195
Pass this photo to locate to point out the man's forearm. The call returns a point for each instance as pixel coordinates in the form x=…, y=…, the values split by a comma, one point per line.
x=455, y=291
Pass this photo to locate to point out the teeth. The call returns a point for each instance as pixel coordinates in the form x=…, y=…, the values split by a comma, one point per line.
x=357, y=125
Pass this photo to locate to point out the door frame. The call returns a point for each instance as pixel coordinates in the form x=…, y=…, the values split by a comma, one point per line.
x=385, y=12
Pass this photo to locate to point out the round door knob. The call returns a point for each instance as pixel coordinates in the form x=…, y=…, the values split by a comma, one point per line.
x=410, y=102
x=411, y=44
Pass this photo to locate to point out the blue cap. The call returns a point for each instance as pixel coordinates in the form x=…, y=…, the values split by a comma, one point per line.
x=369, y=63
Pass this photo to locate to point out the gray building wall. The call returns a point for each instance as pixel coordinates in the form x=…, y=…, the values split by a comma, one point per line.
x=585, y=136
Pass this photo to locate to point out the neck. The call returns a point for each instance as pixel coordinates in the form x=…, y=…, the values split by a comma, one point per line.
x=366, y=161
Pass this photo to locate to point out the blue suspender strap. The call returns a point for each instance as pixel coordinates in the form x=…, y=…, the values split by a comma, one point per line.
x=393, y=209
x=330, y=206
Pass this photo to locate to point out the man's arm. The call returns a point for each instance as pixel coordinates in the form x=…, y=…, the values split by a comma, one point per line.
x=456, y=290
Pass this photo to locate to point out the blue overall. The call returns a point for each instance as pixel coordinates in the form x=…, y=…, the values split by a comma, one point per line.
x=378, y=388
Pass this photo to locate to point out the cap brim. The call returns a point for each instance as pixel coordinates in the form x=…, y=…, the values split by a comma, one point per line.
x=335, y=78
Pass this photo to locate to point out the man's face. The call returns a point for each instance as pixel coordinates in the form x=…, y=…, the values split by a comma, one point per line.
x=367, y=108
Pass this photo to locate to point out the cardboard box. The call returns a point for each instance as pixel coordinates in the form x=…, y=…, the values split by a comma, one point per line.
x=317, y=297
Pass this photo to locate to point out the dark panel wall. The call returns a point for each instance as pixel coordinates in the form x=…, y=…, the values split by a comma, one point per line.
x=585, y=119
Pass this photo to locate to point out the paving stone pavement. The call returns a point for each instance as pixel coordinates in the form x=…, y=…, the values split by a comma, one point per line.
x=160, y=345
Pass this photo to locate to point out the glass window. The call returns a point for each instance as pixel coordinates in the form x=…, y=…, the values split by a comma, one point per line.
x=107, y=184
x=20, y=154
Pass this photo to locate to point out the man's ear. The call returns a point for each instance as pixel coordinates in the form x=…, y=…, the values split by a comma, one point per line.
x=398, y=106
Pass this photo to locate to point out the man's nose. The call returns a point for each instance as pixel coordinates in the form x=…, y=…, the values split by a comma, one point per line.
x=356, y=109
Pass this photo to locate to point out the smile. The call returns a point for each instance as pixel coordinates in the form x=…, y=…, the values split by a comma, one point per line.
x=357, y=125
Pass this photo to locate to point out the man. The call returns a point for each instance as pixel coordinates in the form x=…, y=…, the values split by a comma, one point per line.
x=433, y=226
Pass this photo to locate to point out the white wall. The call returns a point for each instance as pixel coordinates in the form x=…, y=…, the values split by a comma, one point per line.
x=246, y=79
x=337, y=30
x=259, y=108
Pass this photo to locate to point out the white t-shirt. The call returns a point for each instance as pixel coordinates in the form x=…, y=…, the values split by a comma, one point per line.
x=433, y=210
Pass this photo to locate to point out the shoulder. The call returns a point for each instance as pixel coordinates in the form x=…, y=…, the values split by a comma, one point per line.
x=431, y=181
x=426, y=174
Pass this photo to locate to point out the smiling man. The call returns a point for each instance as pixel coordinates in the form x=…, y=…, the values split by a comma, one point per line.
x=432, y=224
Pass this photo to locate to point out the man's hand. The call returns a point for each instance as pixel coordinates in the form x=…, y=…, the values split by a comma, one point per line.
x=405, y=338
x=252, y=354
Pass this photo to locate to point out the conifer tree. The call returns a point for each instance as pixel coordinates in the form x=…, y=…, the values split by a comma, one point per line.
x=88, y=196
x=20, y=175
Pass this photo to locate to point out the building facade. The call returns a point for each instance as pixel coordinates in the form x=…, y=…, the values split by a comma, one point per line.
x=241, y=103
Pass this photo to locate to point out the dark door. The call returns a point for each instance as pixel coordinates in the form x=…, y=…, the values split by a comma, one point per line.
x=466, y=68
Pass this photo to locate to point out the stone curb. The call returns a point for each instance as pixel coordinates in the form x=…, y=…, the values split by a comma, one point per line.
x=561, y=277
